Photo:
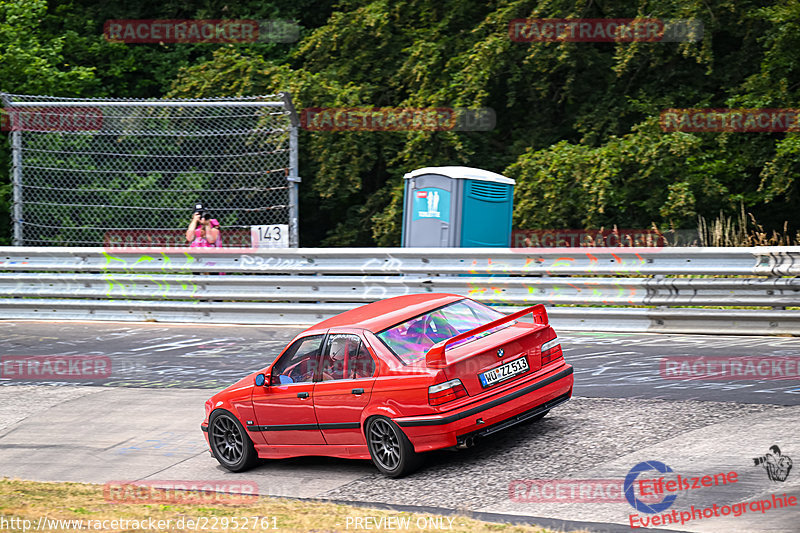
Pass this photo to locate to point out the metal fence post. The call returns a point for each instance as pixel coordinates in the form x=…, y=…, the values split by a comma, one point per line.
x=16, y=180
x=293, y=178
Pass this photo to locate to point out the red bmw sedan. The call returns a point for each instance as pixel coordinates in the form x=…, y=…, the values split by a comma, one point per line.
x=391, y=380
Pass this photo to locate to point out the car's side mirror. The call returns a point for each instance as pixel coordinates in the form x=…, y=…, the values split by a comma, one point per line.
x=260, y=380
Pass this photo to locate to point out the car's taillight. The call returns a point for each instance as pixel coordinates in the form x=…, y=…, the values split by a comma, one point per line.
x=446, y=392
x=551, y=351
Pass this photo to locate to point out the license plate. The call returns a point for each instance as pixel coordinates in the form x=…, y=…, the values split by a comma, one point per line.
x=502, y=373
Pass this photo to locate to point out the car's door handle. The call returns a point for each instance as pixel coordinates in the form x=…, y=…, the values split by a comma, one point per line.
x=357, y=392
x=302, y=395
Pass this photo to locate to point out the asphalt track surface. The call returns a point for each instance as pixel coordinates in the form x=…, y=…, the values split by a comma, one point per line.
x=142, y=422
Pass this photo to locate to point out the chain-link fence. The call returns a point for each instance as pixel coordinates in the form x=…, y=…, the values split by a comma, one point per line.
x=86, y=169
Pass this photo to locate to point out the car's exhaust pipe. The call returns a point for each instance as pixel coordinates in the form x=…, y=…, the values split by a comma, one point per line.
x=468, y=442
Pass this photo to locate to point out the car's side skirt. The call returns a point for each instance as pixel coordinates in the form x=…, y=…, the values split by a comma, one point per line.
x=352, y=451
x=305, y=427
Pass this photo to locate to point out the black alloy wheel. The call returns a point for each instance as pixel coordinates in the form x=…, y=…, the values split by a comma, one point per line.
x=230, y=443
x=390, y=449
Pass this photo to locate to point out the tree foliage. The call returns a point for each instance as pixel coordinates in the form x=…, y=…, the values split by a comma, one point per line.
x=577, y=123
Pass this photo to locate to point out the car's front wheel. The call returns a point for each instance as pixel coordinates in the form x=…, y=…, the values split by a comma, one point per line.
x=390, y=449
x=230, y=443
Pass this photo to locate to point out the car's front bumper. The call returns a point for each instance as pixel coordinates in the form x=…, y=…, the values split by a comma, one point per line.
x=528, y=399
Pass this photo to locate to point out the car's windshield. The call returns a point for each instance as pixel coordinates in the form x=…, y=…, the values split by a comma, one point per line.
x=410, y=340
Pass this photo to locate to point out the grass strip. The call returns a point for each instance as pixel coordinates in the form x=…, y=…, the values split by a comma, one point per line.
x=58, y=507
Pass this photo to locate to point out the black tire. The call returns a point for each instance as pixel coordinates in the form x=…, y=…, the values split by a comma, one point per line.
x=230, y=443
x=391, y=451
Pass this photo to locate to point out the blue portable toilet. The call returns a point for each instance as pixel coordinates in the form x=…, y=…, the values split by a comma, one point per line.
x=457, y=207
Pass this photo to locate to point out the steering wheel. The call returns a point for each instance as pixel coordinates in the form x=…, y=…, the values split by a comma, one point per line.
x=297, y=374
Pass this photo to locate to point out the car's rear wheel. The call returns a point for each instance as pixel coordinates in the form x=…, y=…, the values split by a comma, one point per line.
x=230, y=443
x=390, y=449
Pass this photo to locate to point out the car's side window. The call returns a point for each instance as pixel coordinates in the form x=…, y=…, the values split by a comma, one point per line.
x=346, y=357
x=299, y=362
x=362, y=365
x=438, y=329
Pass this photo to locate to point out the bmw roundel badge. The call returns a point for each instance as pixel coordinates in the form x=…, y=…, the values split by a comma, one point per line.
x=500, y=352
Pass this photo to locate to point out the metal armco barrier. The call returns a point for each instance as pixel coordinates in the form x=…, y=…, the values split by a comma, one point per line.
x=602, y=289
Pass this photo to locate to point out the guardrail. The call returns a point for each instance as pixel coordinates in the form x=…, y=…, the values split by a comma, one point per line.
x=608, y=289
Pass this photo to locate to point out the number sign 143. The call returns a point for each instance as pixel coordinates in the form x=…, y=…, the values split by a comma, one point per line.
x=270, y=236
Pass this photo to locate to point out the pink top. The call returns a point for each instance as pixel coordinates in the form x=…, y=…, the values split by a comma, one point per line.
x=201, y=242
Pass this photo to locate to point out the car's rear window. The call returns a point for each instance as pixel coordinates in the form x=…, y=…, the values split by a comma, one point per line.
x=410, y=340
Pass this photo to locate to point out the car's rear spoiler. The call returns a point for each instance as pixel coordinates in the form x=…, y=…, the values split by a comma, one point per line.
x=435, y=358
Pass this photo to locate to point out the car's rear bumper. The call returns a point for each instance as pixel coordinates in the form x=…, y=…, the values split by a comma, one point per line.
x=529, y=399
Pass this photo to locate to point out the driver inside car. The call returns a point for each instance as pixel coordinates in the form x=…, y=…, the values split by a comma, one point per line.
x=334, y=363
x=300, y=372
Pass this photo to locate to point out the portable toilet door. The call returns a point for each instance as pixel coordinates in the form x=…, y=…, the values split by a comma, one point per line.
x=486, y=213
x=457, y=207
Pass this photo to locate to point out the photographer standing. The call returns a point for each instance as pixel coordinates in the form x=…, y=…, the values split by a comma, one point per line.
x=203, y=231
